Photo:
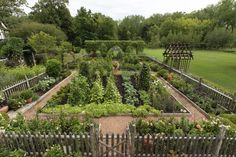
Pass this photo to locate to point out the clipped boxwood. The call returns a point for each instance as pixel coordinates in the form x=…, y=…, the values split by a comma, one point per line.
x=94, y=45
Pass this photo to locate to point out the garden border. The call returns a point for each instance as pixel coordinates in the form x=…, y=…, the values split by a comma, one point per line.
x=223, y=99
x=32, y=107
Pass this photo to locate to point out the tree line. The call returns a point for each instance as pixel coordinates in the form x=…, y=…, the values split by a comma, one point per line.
x=211, y=27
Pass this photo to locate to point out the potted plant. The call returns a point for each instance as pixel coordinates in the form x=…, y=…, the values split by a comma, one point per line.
x=27, y=95
x=3, y=106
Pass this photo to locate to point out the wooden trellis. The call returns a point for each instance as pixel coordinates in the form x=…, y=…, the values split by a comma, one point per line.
x=178, y=55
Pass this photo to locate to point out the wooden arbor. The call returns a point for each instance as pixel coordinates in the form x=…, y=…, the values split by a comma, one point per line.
x=178, y=55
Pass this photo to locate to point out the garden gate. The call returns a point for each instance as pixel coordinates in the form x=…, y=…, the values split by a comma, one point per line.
x=114, y=145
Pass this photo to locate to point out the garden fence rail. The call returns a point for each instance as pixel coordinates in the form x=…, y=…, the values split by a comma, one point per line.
x=22, y=85
x=129, y=144
x=223, y=99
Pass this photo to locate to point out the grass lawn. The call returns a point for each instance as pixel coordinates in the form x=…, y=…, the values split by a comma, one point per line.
x=217, y=67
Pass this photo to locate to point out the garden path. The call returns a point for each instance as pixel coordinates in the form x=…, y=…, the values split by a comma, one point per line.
x=196, y=112
x=30, y=110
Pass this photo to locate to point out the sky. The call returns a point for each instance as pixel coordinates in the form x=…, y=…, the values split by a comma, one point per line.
x=118, y=9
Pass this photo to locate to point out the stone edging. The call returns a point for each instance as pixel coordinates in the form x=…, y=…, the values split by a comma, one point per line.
x=27, y=107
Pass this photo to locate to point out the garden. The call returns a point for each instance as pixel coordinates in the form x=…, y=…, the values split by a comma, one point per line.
x=89, y=85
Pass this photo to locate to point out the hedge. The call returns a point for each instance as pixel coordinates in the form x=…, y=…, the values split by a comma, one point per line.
x=94, y=45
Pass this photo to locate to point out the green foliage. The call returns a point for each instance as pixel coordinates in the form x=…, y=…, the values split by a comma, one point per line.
x=79, y=89
x=54, y=12
x=91, y=26
x=65, y=47
x=231, y=117
x=9, y=8
x=15, y=101
x=145, y=97
x=26, y=94
x=53, y=68
x=42, y=42
x=25, y=29
x=130, y=93
x=100, y=110
x=54, y=151
x=219, y=38
x=111, y=92
x=182, y=127
x=11, y=75
x=11, y=153
x=97, y=92
x=123, y=44
x=102, y=66
x=144, y=78
x=58, y=124
x=145, y=110
x=13, y=49
x=84, y=69
x=45, y=84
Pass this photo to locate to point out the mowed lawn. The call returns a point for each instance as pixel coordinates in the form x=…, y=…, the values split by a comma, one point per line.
x=216, y=67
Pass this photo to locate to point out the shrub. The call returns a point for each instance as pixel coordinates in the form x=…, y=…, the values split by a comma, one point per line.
x=144, y=78
x=11, y=153
x=163, y=73
x=15, y=101
x=111, y=92
x=144, y=110
x=79, y=89
x=53, y=68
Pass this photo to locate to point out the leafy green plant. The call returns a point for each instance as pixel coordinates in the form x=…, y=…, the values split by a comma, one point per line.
x=53, y=68
x=144, y=97
x=145, y=110
x=44, y=85
x=144, y=78
x=111, y=91
x=15, y=101
x=27, y=94
x=54, y=151
x=130, y=93
x=11, y=153
x=84, y=69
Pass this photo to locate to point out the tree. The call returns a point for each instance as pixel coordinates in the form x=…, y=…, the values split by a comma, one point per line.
x=42, y=42
x=111, y=92
x=144, y=78
x=131, y=27
x=54, y=12
x=25, y=29
x=13, y=49
x=65, y=47
x=227, y=14
x=10, y=7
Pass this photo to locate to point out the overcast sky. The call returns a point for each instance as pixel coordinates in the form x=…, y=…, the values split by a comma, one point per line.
x=118, y=9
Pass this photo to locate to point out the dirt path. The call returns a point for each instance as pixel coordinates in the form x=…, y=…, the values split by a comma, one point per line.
x=197, y=113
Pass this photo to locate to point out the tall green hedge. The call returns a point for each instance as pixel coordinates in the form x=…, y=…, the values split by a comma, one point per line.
x=94, y=45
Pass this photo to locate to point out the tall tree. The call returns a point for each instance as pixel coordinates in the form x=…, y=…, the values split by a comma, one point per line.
x=131, y=27
x=10, y=7
x=54, y=12
x=227, y=14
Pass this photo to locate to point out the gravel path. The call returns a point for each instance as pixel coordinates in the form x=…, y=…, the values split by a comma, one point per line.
x=197, y=113
x=30, y=110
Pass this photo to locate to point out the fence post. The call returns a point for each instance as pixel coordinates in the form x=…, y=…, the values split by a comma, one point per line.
x=234, y=98
x=132, y=130
x=27, y=81
x=219, y=141
x=200, y=83
x=94, y=141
